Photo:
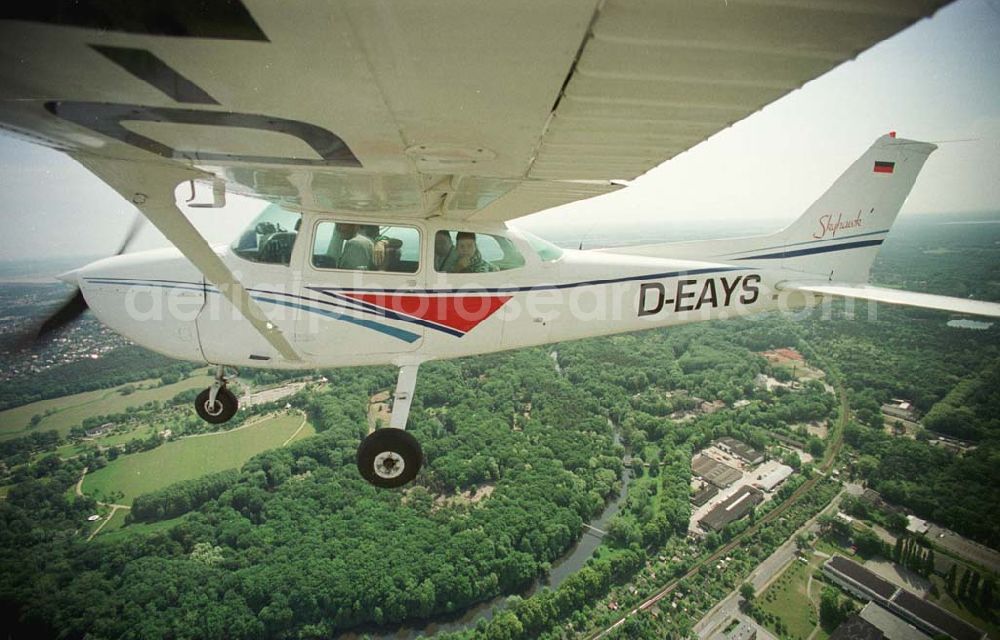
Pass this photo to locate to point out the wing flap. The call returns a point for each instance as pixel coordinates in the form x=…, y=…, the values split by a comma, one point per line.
x=896, y=296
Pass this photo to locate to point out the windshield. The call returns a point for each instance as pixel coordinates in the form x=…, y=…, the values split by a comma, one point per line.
x=547, y=251
x=270, y=237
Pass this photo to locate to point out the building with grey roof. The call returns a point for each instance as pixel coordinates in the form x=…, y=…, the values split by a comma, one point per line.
x=856, y=628
x=731, y=509
x=892, y=626
x=721, y=475
x=703, y=495
x=741, y=450
x=854, y=578
x=932, y=618
x=926, y=616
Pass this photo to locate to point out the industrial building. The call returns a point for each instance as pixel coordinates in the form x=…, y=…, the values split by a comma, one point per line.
x=927, y=617
x=772, y=480
x=892, y=626
x=856, y=628
x=731, y=509
x=721, y=475
x=703, y=495
x=743, y=451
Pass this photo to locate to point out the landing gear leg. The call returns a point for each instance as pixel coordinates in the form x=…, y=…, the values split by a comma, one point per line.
x=391, y=457
x=217, y=404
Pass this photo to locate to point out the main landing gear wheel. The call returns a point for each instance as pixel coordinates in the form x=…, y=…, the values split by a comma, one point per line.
x=389, y=458
x=222, y=410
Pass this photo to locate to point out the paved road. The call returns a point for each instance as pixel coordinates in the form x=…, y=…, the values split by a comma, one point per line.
x=271, y=395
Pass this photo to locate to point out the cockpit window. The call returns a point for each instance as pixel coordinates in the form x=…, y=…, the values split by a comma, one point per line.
x=366, y=247
x=467, y=252
x=270, y=237
x=547, y=251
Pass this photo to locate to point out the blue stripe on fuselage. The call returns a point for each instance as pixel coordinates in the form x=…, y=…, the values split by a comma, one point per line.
x=814, y=250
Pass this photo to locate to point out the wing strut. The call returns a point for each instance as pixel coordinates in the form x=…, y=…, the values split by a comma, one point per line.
x=150, y=187
x=897, y=296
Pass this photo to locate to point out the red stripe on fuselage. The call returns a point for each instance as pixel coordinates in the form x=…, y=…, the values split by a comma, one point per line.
x=462, y=313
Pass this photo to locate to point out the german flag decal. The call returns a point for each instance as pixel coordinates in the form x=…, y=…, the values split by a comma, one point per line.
x=884, y=167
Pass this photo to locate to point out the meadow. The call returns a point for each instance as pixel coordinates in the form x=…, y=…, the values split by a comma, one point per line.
x=69, y=411
x=191, y=457
x=788, y=598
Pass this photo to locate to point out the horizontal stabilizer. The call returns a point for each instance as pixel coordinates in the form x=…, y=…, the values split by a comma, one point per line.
x=896, y=296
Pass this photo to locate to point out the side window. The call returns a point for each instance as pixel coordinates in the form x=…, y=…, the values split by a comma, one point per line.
x=467, y=252
x=546, y=251
x=366, y=247
x=270, y=237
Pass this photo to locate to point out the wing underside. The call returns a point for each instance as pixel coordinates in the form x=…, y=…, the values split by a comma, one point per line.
x=415, y=109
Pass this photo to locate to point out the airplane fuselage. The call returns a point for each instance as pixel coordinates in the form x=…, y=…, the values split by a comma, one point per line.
x=335, y=317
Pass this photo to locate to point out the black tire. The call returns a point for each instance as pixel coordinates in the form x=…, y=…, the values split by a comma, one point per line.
x=225, y=407
x=384, y=470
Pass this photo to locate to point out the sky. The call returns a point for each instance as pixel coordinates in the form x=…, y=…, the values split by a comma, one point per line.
x=938, y=81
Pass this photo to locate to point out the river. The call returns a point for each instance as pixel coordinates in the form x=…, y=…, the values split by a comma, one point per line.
x=564, y=567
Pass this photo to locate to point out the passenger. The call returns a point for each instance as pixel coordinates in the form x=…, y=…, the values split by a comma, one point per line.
x=467, y=256
x=443, y=248
x=350, y=249
x=381, y=244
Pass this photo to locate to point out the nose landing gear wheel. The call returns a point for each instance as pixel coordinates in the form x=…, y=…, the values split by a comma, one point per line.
x=389, y=458
x=224, y=408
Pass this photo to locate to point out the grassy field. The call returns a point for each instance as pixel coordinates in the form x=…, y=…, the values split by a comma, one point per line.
x=787, y=599
x=116, y=529
x=70, y=411
x=116, y=522
x=189, y=458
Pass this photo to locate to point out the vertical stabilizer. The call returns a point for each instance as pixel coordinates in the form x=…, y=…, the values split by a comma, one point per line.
x=838, y=237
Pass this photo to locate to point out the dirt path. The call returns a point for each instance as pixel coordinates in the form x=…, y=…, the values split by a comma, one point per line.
x=114, y=508
x=248, y=423
x=292, y=437
x=79, y=483
x=809, y=584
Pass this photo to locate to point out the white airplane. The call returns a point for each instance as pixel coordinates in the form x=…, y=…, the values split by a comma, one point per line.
x=395, y=140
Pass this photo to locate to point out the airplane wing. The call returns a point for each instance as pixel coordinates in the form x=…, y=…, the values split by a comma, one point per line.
x=415, y=108
x=896, y=296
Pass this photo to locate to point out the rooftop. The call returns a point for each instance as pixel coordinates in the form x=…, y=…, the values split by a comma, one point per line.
x=704, y=494
x=741, y=449
x=862, y=576
x=731, y=509
x=892, y=626
x=856, y=628
x=719, y=474
x=936, y=616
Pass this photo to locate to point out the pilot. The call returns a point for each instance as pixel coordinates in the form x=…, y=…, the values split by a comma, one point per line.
x=350, y=249
x=467, y=256
x=443, y=248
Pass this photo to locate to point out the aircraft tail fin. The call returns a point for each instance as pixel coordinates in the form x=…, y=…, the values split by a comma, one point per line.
x=839, y=236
